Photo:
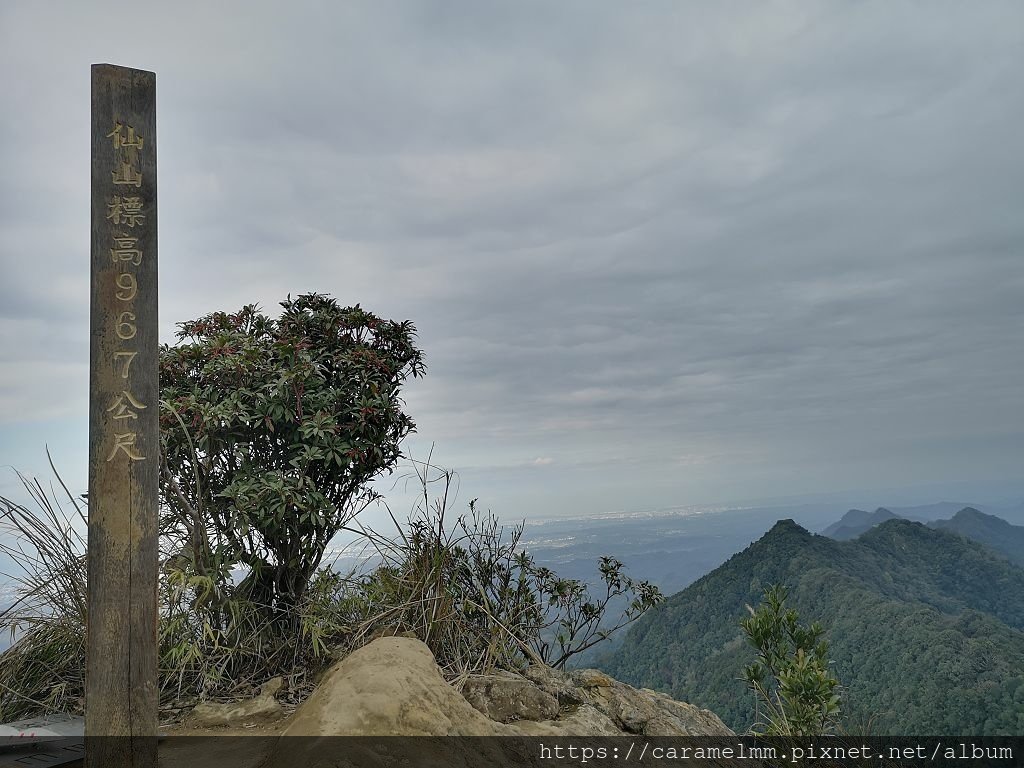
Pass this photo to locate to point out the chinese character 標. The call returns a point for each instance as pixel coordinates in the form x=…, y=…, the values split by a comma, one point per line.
x=126, y=210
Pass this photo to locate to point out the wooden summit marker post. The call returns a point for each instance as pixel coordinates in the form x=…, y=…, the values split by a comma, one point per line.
x=121, y=690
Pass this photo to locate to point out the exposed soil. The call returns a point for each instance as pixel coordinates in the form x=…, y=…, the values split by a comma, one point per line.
x=248, y=747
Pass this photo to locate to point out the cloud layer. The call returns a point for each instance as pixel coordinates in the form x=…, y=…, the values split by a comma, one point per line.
x=670, y=253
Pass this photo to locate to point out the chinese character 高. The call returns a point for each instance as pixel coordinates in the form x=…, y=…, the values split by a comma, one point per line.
x=125, y=250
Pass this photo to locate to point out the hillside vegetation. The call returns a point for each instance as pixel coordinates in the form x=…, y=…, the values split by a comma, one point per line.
x=992, y=531
x=925, y=629
x=271, y=432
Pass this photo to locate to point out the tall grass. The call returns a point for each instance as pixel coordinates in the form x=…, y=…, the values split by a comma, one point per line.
x=470, y=591
x=458, y=583
x=461, y=584
x=44, y=669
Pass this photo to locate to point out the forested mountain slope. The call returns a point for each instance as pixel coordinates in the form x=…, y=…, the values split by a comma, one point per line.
x=925, y=629
x=989, y=530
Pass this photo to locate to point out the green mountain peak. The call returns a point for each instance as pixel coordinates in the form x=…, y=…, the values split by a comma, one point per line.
x=926, y=628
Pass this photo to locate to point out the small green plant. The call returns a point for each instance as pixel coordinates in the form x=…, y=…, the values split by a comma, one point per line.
x=478, y=600
x=791, y=676
x=577, y=618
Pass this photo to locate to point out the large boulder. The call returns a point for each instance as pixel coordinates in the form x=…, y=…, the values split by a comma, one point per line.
x=389, y=687
x=393, y=687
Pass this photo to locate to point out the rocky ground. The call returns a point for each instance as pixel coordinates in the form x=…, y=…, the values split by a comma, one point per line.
x=392, y=687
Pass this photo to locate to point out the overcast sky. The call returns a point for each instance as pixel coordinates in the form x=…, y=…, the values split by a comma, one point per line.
x=658, y=253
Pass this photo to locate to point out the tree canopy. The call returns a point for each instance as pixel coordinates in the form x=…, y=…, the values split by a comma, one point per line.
x=271, y=430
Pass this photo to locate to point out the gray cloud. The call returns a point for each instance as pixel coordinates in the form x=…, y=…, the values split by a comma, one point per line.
x=677, y=252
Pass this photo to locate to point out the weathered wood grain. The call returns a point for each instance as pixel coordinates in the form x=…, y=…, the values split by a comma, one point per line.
x=121, y=666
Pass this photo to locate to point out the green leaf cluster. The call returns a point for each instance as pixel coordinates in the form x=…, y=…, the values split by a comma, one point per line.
x=791, y=676
x=479, y=601
x=271, y=430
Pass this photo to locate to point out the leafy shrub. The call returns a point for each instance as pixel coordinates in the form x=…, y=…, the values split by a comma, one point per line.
x=790, y=677
x=478, y=600
x=271, y=430
x=465, y=588
x=270, y=433
x=44, y=670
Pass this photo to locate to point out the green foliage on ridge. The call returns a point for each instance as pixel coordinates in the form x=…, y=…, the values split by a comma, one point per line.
x=466, y=589
x=925, y=629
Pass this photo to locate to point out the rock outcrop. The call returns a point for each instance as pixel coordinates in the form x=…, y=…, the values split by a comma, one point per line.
x=263, y=708
x=393, y=687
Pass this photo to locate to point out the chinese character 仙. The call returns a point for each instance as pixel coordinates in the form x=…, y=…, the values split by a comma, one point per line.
x=133, y=141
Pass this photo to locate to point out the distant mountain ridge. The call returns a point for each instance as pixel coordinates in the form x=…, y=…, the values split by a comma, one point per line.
x=855, y=522
x=990, y=530
x=926, y=629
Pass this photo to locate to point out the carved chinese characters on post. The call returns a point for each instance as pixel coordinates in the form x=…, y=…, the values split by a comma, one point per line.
x=127, y=358
x=121, y=681
x=126, y=211
x=129, y=142
x=127, y=145
x=125, y=407
x=125, y=250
